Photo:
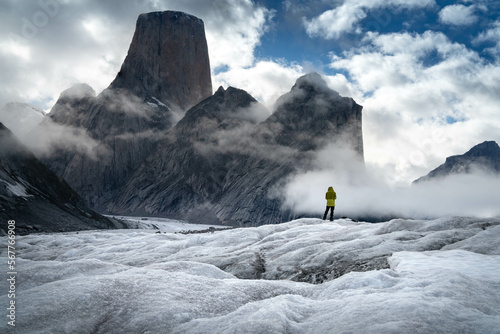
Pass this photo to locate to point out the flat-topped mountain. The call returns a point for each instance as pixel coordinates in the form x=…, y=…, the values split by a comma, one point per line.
x=168, y=59
x=166, y=71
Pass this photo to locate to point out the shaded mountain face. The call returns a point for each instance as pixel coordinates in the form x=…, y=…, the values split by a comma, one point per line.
x=131, y=150
x=36, y=198
x=484, y=157
x=312, y=114
x=224, y=163
x=168, y=59
x=97, y=142
x=186, y=174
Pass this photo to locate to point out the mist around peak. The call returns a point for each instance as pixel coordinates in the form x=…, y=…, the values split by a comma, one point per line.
x=364, y=192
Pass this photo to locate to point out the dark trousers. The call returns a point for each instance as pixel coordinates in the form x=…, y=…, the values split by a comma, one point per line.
x=326, y=212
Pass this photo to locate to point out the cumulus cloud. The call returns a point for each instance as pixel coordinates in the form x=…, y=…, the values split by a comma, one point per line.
x=233, y=44
x=490, y=35
x=334, y=22
x=346, y=17
x=458, y=15
x=434, y=107
x=32, y=31
x=266, y=80
x=38, y=28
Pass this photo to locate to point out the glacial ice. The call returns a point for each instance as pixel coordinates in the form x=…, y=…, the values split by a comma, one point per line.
x=401, y=276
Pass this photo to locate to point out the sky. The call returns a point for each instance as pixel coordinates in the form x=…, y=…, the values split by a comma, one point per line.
x=426, y=72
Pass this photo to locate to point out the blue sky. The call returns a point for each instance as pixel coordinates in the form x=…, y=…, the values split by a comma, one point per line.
x=287, y=37
x=427, y=72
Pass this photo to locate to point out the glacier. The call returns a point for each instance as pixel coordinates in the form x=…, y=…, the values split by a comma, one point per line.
x=304, y=276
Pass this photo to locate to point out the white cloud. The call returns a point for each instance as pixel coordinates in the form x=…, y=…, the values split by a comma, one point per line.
x=458, y=15
x=265, y=81
x=491, y=35
x=336, y=21
x=364, y=192
x=233, y=37
x=346, y=17
x=415, y=114
x=87, y=41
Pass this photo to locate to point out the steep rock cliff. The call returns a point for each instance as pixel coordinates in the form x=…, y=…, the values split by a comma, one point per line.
x=36, y=198
x=224, y=163
x=166, y=70
x=186, y=173
x=168, y=59
x=484, y=157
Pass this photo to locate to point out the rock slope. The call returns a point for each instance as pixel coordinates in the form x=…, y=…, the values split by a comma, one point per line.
x=166, y=70
x=220, y=165
x=168, y=59
x=484, y=157
x=36, y=198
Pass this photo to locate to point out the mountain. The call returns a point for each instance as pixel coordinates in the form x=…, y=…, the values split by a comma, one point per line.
x=483, y=157
x=133, y=150
x=168, y=59
x=186, y=174
x=224, y=162
x=37, y=199
x=312, y=114
x=104, y=139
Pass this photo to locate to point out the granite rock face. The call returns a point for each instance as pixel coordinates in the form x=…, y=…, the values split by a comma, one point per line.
x=36, y=198
x=225, y=163
x=121, y=130
x=312, y=114
x=168, y=59
x=72, y=105
x=186, y=174
x=166, y=70
x=484, y=157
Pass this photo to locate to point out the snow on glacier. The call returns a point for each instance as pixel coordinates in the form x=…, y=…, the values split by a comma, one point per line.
x=163, y=224
x=401, y=276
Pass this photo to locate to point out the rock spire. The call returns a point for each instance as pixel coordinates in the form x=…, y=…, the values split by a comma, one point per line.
x=167, y=59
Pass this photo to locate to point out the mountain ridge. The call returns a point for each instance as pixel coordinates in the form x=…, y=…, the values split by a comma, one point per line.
x=224, y=160
x=484, y=157
x=36, y=198
x=165, y=71
x=221, y=166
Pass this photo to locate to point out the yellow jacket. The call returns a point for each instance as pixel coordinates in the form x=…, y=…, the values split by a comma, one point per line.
x=330, y=196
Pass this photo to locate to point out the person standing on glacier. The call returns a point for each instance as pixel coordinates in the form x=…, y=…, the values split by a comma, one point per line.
x=330, y=197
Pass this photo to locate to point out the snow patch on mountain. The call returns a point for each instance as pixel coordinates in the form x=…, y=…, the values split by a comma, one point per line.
x=16, y=189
